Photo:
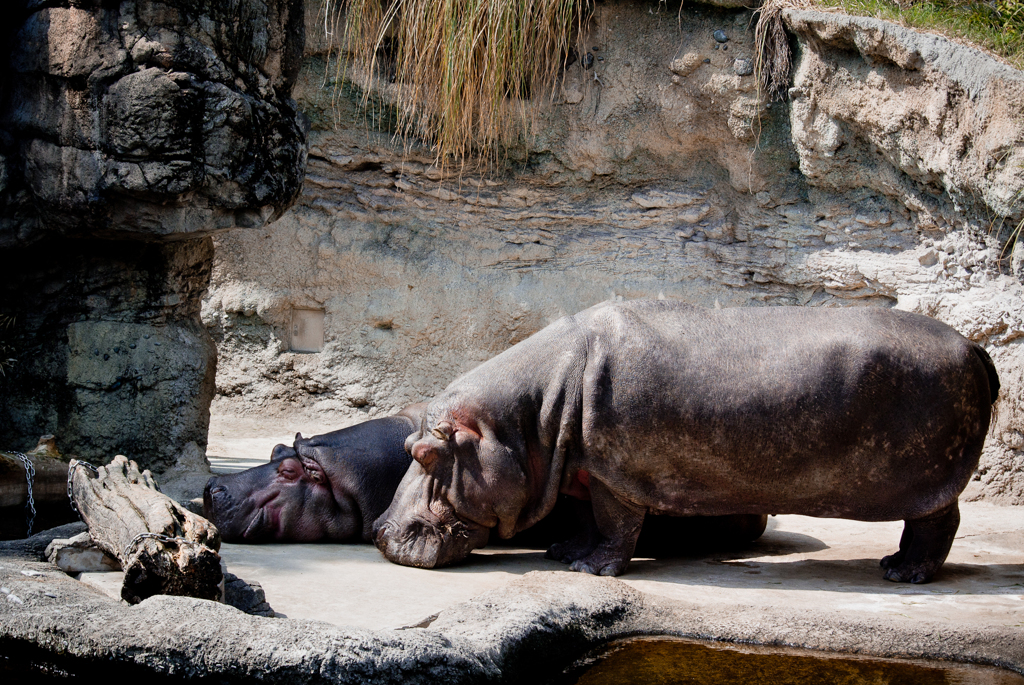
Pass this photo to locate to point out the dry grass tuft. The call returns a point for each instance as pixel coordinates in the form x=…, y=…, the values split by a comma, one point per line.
x=773, y=59
x=461, y=71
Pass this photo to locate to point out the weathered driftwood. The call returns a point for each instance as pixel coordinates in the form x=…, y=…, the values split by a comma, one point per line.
x=163, y=548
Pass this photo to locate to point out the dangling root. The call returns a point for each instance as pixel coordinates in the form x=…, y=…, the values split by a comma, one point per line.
x=773, y=59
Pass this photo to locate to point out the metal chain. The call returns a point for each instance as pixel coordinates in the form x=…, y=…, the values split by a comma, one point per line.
x=156, y=536
x=30, y=475
x=71, y=472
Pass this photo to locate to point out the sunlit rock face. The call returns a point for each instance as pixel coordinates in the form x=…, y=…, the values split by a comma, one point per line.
x=655, y=172
x=129, y=132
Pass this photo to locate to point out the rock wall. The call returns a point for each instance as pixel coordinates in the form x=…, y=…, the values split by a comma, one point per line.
x=129, y=132
x=655, y=173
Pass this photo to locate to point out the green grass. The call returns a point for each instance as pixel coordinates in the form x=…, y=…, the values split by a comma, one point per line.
x=997, y=26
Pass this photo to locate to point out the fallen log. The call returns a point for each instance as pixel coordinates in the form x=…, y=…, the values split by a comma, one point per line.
x=33, y=490
x=163, y=548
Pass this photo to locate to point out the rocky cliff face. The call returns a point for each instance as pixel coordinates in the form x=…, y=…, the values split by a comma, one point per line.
x=655, y=173
x=129, y=132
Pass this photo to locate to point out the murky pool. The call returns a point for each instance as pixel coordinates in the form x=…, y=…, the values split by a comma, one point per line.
x=669, y=661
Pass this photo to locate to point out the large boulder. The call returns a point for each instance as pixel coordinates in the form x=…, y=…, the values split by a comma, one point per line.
x=129, y=132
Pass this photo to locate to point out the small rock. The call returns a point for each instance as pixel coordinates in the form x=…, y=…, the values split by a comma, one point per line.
x=588, y=60
x=725, y=47
x=707, y=61
x=716, y=46
x=720, y=36
x=246, y=596
x=686, y=64
x=743, y=67
x=80, y=555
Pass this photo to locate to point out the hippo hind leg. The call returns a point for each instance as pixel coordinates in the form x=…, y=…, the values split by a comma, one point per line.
x=923, y=547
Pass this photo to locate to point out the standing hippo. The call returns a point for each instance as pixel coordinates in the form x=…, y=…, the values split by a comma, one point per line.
x=667, y=408
x=327, y=488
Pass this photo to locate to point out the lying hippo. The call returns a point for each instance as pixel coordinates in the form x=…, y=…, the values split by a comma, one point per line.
x=662, y=407
x=288, y=499
x=329, y=487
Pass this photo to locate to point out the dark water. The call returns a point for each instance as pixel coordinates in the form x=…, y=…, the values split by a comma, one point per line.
x=667, y=661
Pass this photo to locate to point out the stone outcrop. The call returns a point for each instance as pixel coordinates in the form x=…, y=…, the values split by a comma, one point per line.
x=129, y=132
x=655, y=173
x=150, y=118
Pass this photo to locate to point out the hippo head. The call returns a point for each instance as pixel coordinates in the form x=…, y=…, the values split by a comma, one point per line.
x=291, y=498
x=463, y=482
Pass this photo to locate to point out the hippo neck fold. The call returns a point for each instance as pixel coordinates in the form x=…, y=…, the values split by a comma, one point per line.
x=530, y=397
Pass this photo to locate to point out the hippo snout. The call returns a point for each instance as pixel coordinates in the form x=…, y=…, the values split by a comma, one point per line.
x=213, y=494
x=223, y=510
x=426, y=544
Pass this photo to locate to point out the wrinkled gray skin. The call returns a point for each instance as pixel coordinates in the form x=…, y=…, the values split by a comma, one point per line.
x=661, y=407
x=327, y=488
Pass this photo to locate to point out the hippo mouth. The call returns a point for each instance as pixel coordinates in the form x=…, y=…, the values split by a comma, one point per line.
x=263, y=523
x=431, y=536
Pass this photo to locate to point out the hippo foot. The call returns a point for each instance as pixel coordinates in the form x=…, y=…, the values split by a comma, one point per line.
x=605, y=560
x=923, y=547
x=909, y=573
x=572, y=550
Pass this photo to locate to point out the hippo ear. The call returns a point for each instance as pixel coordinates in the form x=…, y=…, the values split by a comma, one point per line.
x=443, y=431
x=281, y=452
x=298, y=436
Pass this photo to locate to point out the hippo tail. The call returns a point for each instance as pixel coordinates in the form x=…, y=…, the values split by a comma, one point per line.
x=990, y=369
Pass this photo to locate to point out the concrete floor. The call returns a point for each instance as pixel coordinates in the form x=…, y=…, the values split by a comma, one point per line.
x=799, y=563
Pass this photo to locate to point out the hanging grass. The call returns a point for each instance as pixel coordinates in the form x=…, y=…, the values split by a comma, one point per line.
x=461, y=71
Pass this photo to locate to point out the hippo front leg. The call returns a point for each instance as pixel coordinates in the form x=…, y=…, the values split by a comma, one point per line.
x=618, y=526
